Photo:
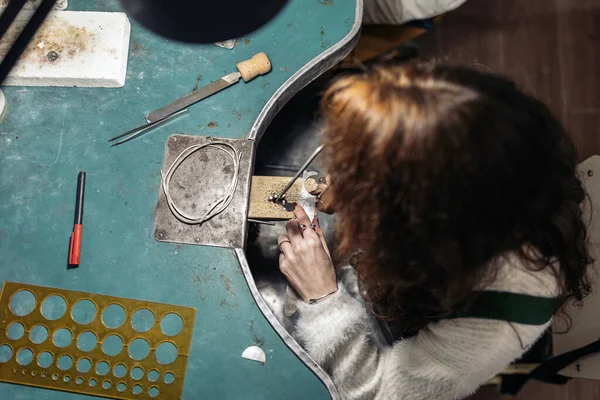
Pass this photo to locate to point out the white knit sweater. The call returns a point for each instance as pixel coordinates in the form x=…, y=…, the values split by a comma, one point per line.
x=397, y=12
x=449, y=359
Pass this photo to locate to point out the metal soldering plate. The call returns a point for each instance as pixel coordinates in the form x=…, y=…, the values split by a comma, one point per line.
x=198, y=182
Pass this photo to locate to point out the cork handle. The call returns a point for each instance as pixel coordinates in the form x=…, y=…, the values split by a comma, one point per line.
x=259, y=64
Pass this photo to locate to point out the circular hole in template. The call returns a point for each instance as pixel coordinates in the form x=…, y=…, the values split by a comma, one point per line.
x=54, y=307
x=43, y=375
x=137, y=389
x=6, y=353
x=153, y=392
x=45, y=359
x=54, y=377
x=87, y=341
x=106, y=384
x=153, y=375
x=169, y=378
x=166, y=353
x=112, y=345
x=92, y=382
x=171, y=324
x=79, y=380
x=15, y=331
x=113, y=316
x=142, y=320
x=120, y=370
x=84, y=365
x=33, y=373
x=24, y=356
x=84, y=312
x=64, y=362
x=62, y=338
x=22, y=303
x=38, y=334
x=137, y=373
x=67, y=378
x=102, y=368
x=121, y=386
x=139, y=349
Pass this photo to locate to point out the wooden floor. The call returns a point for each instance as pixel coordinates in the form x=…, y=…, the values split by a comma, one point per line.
x=552, y=49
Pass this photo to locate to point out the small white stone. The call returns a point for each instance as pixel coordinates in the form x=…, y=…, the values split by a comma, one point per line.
x=255, y=353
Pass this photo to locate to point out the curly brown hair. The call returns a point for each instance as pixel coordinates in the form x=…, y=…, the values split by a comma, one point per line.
x=437, y=170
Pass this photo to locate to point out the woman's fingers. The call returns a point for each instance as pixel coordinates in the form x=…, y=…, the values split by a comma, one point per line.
x=319, y=230
x=281, y=259
x=304, y=223
x=321, y=235
x=324, y=200
x=301, y=216
x=315, y=222
x=285, y=245
x=305, y=259
x=300, y=228
x=284, y=264
x=325, y=203
x=293, y=231
x=322, y=185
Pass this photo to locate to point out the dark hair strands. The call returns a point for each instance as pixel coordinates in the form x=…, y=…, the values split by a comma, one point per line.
x=444, y=169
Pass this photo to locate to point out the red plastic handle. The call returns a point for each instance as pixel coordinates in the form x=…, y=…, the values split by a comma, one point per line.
x=75, y=244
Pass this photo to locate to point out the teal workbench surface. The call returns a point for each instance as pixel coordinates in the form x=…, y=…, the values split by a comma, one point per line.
x=50, y=134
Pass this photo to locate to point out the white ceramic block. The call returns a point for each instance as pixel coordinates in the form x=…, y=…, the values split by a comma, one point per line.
x=73, y=48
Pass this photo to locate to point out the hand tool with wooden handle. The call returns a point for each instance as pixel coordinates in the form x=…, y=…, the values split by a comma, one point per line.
x=259, y=64
x=248, y=70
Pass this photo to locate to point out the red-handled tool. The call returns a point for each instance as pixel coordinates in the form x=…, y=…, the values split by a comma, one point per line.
x=75, y=244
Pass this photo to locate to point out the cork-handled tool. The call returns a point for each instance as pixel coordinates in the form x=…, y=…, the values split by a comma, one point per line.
x=259, y=64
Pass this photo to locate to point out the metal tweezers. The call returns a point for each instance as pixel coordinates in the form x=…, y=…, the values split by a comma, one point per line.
x=135, y=132
x=178, y=106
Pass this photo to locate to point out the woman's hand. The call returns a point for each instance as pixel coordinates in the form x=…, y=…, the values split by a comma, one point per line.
x=305, y=260
x=324, y=201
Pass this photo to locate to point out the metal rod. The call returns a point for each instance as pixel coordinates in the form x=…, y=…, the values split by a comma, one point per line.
x=258, y=221
x=310, y=159
x=276, y=167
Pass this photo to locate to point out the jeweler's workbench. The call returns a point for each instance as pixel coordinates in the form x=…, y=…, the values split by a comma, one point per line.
x=49, y=134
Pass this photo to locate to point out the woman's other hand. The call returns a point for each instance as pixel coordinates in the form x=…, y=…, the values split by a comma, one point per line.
x=324, y=200
x=305, y=260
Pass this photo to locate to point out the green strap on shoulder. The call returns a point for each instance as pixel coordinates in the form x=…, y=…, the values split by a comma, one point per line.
x=511, y=307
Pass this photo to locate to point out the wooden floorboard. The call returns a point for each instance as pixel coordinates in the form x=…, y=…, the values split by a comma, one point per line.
x=551, y=48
